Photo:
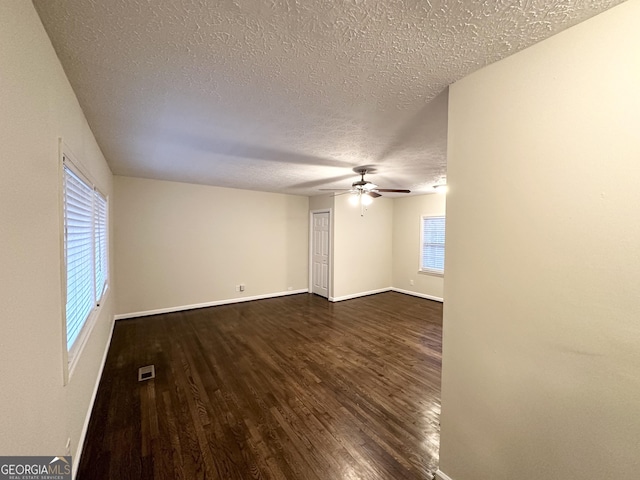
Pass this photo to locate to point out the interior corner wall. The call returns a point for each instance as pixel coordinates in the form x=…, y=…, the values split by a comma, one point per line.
x=541, y=331
x=179, y=245
x=362, y=247
x=38, y=106
x=407, y=215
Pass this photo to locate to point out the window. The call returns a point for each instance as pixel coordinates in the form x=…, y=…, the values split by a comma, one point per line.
x=432, y=248
x=85, y=256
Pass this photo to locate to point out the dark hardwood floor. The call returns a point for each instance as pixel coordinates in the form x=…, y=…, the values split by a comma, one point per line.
x=287, y=388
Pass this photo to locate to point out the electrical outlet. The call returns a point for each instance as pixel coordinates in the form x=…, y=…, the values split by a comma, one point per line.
x=241, y=287
x=411, y=282
x=290, y=288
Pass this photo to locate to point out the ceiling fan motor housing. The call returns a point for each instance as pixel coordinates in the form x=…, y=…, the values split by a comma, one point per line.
x=363, y=186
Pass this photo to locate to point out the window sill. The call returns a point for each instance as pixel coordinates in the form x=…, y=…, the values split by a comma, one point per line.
x=433, y=273
x=73, y=355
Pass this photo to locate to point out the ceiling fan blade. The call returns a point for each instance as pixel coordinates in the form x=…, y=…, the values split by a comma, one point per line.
x=392, y=190
x=321, y=181
x=342, y=193
x=373, y=194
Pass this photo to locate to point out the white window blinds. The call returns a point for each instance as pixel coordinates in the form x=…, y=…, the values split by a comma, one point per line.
x=85, y=251
x=100, y=223
x=432, y=254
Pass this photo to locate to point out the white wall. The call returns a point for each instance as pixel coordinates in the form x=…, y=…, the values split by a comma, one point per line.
x=321, y=202
x=37, y=105
x=181, y=244
x=362, y=247
x=541, y=324
x=407, y=214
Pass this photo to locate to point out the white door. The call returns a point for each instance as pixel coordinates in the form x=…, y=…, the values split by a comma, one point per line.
x=320, y=254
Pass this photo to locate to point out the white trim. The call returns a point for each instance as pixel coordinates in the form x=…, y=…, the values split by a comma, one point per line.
x=435, y=273
x=78, y=347
x=361, y=294
x=215, y=303
x=388, y=289
x=85, y=427
x=417, y=294
x=311, y=213
x=69, y=157
x=440, y=475
x=63, y=265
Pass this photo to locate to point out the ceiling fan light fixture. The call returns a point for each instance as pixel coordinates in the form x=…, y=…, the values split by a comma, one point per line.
x=363, y=192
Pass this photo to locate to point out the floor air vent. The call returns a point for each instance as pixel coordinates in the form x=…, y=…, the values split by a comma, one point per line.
x=145, y=373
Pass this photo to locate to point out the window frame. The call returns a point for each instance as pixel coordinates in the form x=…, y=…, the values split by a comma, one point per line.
x=421, y=268
x=72, y=354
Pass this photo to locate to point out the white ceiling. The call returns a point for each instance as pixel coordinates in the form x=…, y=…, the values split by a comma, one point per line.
x=285, y=95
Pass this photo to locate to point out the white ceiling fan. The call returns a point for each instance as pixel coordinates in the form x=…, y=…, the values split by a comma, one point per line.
x=363, y=191
x=364, y=187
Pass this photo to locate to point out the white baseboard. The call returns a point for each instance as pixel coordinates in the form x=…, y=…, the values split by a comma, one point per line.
x=215, y=303
x=442, y=476
x=388, y=289
x=417, y=294
x=360, y=294
x=85, y=427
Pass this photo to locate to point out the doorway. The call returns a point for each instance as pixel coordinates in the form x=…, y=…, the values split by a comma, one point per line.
x=320, y=252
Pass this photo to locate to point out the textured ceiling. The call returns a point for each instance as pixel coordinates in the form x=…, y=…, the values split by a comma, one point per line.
x=285, y=95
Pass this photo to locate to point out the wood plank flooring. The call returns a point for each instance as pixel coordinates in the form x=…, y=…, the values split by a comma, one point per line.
x=287, y=388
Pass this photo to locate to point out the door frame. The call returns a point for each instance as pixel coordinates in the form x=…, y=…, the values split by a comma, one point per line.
x=329, y=280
